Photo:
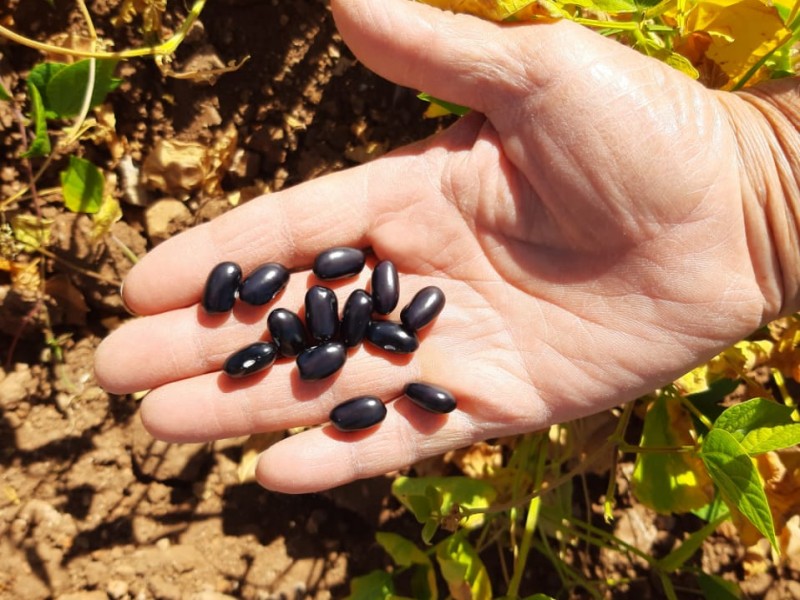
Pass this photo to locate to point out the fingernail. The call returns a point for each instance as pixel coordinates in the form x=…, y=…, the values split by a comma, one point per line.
x=122, y=297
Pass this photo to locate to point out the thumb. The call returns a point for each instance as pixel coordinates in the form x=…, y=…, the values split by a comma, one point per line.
x=456, y=57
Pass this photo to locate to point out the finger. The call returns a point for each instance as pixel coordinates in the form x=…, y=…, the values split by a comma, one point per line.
x=322, y=458
x=278, y=399
x=289, y=227
x=457, y=57
x=152, y=351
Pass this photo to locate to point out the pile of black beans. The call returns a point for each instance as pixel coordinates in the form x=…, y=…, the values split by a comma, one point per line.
x=320, y=345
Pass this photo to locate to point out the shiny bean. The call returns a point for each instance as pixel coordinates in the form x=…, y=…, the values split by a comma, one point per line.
x=263, y=284
x=355, y=318
x=358, y=413
x=251, y=359
x=430, y=397
x=287, y=332
x=338, y=263
x=322, y=313
x=392, y=337
x=423, y=308
x=385, y=287
x=219, y=294
x=321, y=361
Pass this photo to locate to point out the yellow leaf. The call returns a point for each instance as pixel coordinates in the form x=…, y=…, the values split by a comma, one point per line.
x=492, y=10
x=741, y=32
x=109, y=213
x=695, y=381
x=739, y=359
x=670, y=482
x=31, y=230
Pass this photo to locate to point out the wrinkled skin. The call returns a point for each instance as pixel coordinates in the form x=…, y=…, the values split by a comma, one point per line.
x=600, y=224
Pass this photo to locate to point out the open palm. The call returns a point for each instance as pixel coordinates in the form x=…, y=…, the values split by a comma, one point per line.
x=586, y=225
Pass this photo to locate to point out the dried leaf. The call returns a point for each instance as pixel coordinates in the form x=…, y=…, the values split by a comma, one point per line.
x=26, y=279
x=220, y=157
x=68, y=299
x=32, y=231
x=493, y=10
x=253, y=447
x=109, y=213
x=741, y=32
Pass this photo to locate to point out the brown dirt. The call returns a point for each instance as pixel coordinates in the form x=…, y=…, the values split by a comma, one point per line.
x=92, y=507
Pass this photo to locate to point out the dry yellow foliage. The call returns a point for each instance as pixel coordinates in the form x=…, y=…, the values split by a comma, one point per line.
x=492, y=10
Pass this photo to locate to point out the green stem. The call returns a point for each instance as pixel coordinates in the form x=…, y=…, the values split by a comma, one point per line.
x=656, y=449
x=530, y=521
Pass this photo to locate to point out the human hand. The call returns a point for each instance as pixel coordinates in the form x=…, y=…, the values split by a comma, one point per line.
x=591, y=226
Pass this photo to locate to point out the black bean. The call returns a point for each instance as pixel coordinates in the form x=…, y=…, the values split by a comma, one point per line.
x=251, y=359
x=358, y=413
x=392, y=337
x=430, y=397
x=263, y=284
x=355, y=318
x=287, y=332
x=322, y=313
x=219, y=294
x=423, y=308
x=321, y=361
x=385, y=287
x=337, y=263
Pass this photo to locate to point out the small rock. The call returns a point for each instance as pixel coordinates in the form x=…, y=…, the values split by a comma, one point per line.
x=164, y=218
x=117, y=589
x=210, y=595
x=176, y=167
x=17, y=386
x=244, y=166
x=93, y=595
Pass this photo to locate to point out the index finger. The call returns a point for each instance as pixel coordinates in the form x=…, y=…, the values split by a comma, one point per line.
x=289, y=227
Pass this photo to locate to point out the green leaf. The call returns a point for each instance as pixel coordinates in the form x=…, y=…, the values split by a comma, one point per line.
x=742, y=418
x=767, y=439
x=429, y=529
x=717, y=588
x=4, y=95
x=423, y=583
x=716, y=509
x=82, y=185
x=67, y=87
x=39, y=77
x=761, y=425
x=463, y=570
x=377, y=585
x=404, y=552
x=40, y=145
x=456, y=109
x=669, y=482
x=420, y=494
x=733, y=471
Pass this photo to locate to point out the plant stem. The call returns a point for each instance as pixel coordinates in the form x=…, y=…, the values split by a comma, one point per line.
x=656, y=449
x=163, y=49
